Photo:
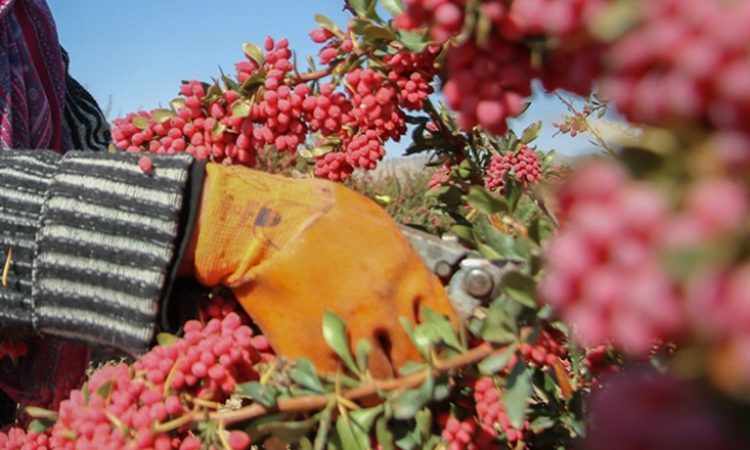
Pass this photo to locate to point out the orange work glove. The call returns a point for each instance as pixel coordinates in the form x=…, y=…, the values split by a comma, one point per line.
x=291, y=249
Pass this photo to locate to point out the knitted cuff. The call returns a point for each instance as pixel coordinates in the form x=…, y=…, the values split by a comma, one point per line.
x=105, y=247
x=24, y=179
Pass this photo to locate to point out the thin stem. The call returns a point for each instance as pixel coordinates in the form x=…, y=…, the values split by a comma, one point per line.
x=317, y=402
x=599, y=139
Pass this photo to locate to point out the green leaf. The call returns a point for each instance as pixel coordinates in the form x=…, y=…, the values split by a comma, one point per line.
x=442, y=388
x=395, y=7
x=372, y=11
x=254, y=52
x=411, y=367
x=166, y=339
x=162, y=115
x=424, y=422
x=507, y=246
x=334, y=333
x=465, y=168
x=518, y=387
x=465, y=233
x=408, y=328
x=327, y=23
x=324, y=425
x=230, y=83
x=241, y=109
x=105, y=389
x=496, y=361
x=287, y=431
x=384, y=434
x=488, y=252
x=40, y=413
x=304, y=374
x=485, y=202
x=425, y=338
x=140, y=122
x=177, y=103
x=372, y=32
x=362, y=354
x=39, y=426
x=407, y=403
x=542, y=423
x=531, y=132
x=359, y=6
x=365, y=418
x=407, y=435
x=500, y=326
x=413, y=42
x=85, y=392
x=351, y=436
x=249, y=86
x=261, y=393
x=513, y=192
x=322, y=150
x=443, y=328
x=521, y=288
x=213, y=92
x=451, y=196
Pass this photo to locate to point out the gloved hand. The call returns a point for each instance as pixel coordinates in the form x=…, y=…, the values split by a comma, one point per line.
x=291, y=249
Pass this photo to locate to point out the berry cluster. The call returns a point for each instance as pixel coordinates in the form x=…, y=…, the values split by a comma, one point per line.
x=271, y=105
x=201, y=132
x=561, y=19
x=327, y=111
x=546, y=350
x=276, y=117
x=445, y=17
x=523, y=165
x=333, y=166
x=487, y=85
x=412, y=73
x=18, y=439
x=603, y=269
x=685, y=61
x=491, y=413
x=218, y=306
x=149, y=405
x=598, y=363
x=573, y=124
x=460, y=434
x=375, y=104
x=335, y=47
x=717, y=304
x=441, y=177
x=490, y=75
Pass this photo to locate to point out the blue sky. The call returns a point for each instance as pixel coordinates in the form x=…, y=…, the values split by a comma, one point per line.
x=132, y=54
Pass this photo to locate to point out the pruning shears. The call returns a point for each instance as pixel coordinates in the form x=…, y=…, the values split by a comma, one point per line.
x=470, y=279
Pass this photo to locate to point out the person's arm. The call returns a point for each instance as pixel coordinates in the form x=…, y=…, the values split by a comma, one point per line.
x=93, y=241
x=98, y=242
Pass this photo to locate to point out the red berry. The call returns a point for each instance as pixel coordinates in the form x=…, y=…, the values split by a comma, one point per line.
x=145, y=164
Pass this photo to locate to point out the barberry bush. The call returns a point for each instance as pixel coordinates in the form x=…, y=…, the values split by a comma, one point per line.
x=624, y=319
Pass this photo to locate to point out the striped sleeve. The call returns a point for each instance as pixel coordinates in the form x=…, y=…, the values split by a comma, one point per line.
x=84, y=124
x=24, y=179
x=107, y=236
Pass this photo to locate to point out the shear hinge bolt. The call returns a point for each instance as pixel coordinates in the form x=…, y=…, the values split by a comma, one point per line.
x=478, y=283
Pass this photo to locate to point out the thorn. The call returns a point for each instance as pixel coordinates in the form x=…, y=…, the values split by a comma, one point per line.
x=6, y=268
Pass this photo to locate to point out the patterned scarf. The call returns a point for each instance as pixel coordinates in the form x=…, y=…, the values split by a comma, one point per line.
x=32, y=77
x=41, y=107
